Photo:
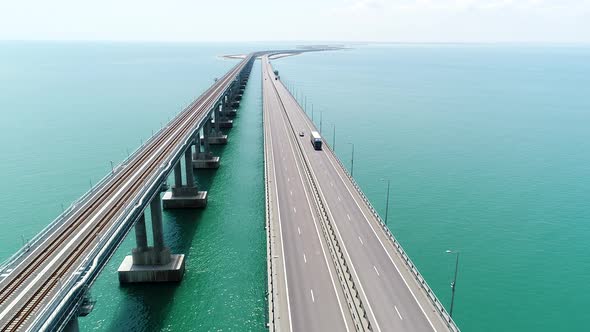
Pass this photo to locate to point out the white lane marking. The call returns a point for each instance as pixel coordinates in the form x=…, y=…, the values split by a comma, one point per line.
x=294, y=210
x=382, y=245
x=376, y=270
x=291, y=192
x=348, y=215
x=330, y=157
x=331, y=184
x=312, y=298
x=281, y=231
x=304, y=258
x=288, y=179
x=299, y=230
x=400, y=316
x=344, y=246
x=317, y=230
x=361, y=240
x=339, y=198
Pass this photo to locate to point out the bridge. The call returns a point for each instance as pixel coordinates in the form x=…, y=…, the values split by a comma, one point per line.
x=332, y=264
x=335, y=265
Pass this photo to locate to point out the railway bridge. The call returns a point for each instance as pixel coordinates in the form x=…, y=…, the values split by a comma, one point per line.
x=332, y=263
x=44, y=286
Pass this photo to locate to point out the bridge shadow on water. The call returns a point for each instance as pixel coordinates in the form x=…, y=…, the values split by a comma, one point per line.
x=146, y=307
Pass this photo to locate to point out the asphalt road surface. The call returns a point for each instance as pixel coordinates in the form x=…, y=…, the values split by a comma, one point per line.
x=314, y=299
x=392, y=298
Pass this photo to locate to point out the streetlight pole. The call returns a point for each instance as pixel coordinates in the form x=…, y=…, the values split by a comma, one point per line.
x=352, y=161
x=334, y=138
x=321, y=112
x=387, y=203
x=454, y=283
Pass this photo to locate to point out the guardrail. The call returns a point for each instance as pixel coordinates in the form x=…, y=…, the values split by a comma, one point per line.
x=419, y=278
x=269, y=237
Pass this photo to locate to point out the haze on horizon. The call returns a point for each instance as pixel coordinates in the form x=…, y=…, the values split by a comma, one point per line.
x=563, y=21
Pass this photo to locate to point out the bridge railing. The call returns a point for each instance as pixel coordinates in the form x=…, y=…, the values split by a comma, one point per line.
x=271, y=282
x=411, y=266
x=66, y=301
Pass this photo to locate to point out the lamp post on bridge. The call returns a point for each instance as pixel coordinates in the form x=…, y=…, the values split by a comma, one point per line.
x=352, y=161
x=387, y=200
x=454, y=283
x=334, y=138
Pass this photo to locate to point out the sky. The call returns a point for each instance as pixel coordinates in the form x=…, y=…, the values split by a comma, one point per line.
x=549, y=21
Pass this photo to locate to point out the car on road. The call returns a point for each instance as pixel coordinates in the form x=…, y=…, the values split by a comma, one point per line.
x=301, y=134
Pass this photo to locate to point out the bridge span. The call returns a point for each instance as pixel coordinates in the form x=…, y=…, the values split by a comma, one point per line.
x=333, y=262
x=44, y=285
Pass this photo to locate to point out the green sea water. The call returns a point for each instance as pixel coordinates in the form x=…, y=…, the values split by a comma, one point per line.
x=486, y=147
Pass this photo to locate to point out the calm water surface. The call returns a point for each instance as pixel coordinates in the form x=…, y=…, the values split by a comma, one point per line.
x=486, y=148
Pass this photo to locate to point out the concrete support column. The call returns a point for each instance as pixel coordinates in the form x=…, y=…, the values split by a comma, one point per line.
x=218, y=119
x=198, y=142
x=157, y=229
x=72, y=325
x=206, y=134
x=188, y=160
x=140, y=234
x=177, y=175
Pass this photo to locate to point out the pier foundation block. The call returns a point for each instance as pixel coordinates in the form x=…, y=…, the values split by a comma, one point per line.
x=204, y=160
x=184, y=197
x=218, y=140
x=173, y=271
x=225, y=124
x=232, y=113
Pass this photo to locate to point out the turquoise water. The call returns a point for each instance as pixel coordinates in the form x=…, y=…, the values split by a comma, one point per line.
x=487, y=151
x=68, y=109
x=486, y=148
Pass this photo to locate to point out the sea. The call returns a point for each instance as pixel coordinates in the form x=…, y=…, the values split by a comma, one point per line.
x=486, y=147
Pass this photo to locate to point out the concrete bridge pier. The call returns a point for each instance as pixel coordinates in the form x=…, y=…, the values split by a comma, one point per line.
x=227, y=111
x=184, y=196
x=151, y=263
x=222, y=118
x=235, y=95
x=204, y=159
x=217, y=137
x=72, y=325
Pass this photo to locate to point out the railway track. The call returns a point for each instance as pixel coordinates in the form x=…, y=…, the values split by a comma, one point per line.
x=186, y=120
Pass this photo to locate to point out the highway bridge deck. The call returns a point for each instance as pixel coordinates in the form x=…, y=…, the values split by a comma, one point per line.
x=312, y=299
x=392, y=296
